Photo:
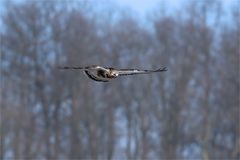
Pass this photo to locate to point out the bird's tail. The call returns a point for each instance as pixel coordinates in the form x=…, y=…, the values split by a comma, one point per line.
x=70, y=67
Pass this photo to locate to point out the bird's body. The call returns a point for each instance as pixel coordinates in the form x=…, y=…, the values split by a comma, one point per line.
x=105, y=74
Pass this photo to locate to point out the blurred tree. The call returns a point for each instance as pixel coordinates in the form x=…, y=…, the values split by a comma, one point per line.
x=189, y=112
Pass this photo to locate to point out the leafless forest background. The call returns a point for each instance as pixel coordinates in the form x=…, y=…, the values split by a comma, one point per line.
x=190, y=112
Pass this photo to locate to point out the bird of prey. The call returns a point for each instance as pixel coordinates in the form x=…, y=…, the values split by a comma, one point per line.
x=105, y=74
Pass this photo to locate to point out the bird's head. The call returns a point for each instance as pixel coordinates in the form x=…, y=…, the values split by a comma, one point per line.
x=113, y=73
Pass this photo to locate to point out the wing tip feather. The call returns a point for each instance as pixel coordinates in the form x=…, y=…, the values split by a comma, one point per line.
x=162, y=69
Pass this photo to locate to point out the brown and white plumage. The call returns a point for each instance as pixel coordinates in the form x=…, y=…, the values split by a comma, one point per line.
x=105, y=74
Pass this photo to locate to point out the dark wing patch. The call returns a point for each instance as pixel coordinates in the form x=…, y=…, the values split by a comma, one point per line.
x=101, y=73
x=94, y=77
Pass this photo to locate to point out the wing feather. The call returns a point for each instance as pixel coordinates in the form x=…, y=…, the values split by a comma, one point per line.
x=93, y=67
x=123, y=72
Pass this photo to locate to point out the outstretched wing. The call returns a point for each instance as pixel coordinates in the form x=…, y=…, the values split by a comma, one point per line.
x=93, y=67
x=94, y=72
x=123, y=72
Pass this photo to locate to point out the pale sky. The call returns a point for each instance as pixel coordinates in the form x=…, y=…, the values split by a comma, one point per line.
x=144, y=6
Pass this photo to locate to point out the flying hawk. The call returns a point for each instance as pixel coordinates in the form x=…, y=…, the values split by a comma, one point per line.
x=105, y=74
